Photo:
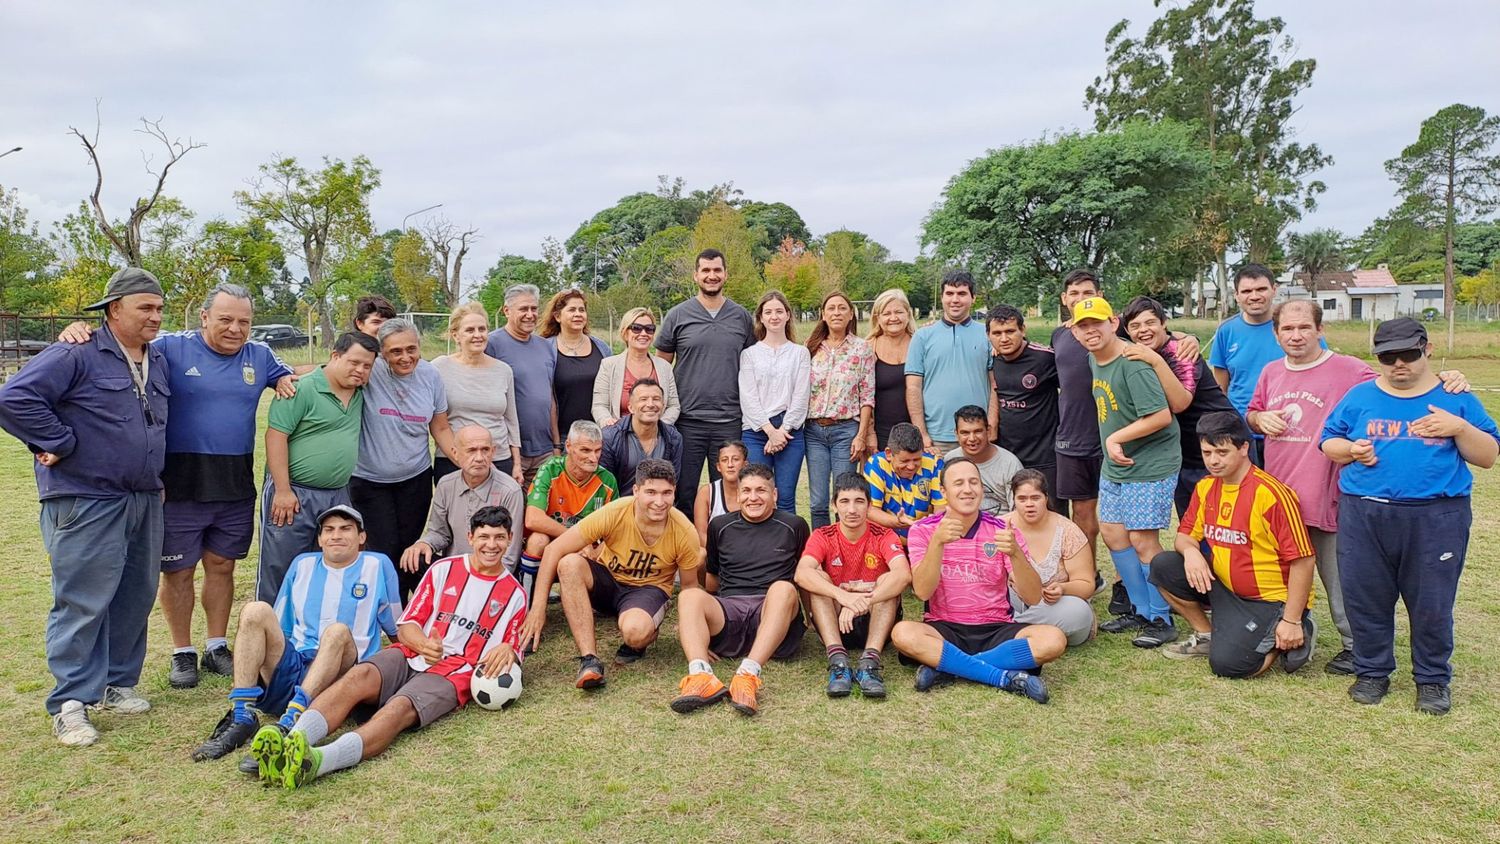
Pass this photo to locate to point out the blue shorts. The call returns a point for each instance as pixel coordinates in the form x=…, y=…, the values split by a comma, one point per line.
x=1138, y=505
x=284, y=680
x=191, y=527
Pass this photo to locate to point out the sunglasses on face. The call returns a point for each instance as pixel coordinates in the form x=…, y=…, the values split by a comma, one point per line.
x=638, y=328
x=1390, y=358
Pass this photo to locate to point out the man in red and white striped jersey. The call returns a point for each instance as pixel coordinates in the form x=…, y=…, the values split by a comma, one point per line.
x=466, y=615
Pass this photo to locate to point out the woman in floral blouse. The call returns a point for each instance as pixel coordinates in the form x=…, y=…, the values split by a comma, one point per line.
x=842, y=400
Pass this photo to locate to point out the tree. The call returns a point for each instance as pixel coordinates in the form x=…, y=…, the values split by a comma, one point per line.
x=412, y=272
x=1026, y=214
x=1316, y=252
x=663, y=265
x=793, y=270
x=187, y=258
x=778, y=220
x=511, y=269
x=1482, y=288
x=323, y=214
x=85, y=260
x=1235, y=78
x=1451, y=171
x=26, y=259
x=126, y=237
x=723, y=227
x=450, y=244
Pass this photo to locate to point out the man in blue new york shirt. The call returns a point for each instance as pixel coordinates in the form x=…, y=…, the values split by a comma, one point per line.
x=217, y=376
x=1404, y=515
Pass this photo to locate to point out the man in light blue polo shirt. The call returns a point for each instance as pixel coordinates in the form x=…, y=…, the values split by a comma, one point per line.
x=947, y=366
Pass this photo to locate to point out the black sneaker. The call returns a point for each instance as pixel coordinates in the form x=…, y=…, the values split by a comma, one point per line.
x=929, y=678
x=248, y=766
x=1155, y=634
x=625, y=654
x=1342, y=663
x=1433, y=698
x=1370, y=690
x=1025, y=684
x=871, y=684
x=840, y=678
x=1119, y=600
x=590, y=672
x=219, y=660
x=1124, y=624
x=228, y=735
x=184, y=674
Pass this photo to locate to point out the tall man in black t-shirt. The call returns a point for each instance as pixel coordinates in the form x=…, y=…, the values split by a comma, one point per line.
x=702, y=338
x=753, y=610
x=1023, y=403
x=1079, y=454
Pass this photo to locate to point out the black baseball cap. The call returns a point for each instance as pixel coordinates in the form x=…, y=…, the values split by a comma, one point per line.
x=124, y=283
x=1399, y=335
x=342, y=510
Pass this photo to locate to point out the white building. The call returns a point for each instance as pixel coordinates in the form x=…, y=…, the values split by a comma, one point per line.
x=1361, y=295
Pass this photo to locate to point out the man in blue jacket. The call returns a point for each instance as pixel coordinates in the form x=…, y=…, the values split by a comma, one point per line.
x=95, y=416
x=640, y=435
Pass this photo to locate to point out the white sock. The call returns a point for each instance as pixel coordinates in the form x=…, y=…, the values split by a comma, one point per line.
x=185, y=650
x=312, y=725
x=343, y=752
x=699, y=666
x=749, y=666
x=216, y=642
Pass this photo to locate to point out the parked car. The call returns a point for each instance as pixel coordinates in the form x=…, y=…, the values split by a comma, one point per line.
x=279, y=336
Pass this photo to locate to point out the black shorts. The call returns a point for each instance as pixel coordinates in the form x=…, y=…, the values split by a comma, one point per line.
x=611, y=598
x=1244, y=629
x=1054, y=503
x=854, y=640
x=1078, y=477
x=973, y=638
x=742, y=622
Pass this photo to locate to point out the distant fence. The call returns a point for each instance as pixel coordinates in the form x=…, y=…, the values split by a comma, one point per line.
x=22, y=336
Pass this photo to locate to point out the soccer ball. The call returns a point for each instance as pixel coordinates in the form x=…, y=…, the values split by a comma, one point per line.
x=496, y=692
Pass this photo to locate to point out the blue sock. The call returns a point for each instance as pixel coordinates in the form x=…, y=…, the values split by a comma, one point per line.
x=1012, y=655
x=241, y=700
x=960, y=664
x=1156, y=602
x=1128, y=564
x=295, y=707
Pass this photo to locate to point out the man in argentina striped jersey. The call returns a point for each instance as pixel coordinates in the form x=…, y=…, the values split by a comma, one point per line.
x=465, y=615
x=330, y=612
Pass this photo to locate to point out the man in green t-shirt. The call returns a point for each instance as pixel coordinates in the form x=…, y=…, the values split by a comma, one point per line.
x=565, y=489
x=312, y=443
x=1141, y=461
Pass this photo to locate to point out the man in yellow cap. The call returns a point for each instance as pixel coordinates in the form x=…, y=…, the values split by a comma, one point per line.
x=1141, y=461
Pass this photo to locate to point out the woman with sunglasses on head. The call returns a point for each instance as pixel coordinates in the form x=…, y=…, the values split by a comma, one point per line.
x=565, y=322
x=618, y=373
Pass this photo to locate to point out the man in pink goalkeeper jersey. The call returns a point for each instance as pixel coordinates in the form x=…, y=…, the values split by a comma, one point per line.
x=466, y=614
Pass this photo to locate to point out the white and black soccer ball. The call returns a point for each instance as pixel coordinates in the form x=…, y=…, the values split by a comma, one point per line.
x=496, y=692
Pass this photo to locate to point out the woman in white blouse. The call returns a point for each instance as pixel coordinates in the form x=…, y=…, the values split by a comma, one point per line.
x=775, y=379
x=481, y=391
x=618, y=373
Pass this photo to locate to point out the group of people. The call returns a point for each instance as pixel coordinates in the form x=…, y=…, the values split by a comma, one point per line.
x=439, y=503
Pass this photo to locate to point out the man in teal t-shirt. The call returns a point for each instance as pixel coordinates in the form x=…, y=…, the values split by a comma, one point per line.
x=948, y=366
x=1141, y=461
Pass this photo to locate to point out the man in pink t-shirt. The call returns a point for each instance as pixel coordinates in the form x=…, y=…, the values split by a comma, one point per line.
x=963, y=563
x=1292, y=401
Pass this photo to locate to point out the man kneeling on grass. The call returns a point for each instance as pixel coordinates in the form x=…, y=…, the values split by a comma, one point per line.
x=1259, y=584
x=466, y=614
x=750, y=609
x=964, y=563
x=853, y=574
x=329, y=614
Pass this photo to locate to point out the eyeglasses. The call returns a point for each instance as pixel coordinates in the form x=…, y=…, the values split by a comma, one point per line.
x=1407, y=356
x=638, y=328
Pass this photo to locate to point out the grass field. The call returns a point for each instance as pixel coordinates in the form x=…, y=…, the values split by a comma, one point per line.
x=1133, y=747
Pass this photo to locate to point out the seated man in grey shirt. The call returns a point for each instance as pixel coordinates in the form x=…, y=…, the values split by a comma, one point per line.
x=459, y=495
x=639, y=435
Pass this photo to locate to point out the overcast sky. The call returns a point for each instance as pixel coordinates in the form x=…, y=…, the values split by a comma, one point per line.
x=524, y=120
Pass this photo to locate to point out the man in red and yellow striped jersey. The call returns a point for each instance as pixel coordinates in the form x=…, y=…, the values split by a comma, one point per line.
x=1259, y=580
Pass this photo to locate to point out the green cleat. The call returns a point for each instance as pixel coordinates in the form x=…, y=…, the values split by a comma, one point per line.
x=268, y=749
x=300, y=761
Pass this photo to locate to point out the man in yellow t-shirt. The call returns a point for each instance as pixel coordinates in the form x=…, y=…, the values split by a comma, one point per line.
x=644, y=543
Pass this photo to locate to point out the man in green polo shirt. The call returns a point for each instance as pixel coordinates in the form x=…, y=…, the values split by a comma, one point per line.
x=312, y=442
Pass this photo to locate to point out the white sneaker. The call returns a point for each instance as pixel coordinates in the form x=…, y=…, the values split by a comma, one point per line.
x=72, y=726
x=122, y=700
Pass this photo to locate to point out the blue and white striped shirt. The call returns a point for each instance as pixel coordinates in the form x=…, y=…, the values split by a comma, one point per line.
x=364, y=595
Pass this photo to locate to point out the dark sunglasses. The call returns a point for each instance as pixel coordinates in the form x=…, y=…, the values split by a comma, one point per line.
x=1390, y=358
x=637, y=328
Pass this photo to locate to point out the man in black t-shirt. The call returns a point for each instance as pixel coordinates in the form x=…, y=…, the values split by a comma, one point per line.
x=753, y=610
x=1023, y=403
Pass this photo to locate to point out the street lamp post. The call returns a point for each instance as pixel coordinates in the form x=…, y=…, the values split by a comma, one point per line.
x=9, y=151
x=416, y=212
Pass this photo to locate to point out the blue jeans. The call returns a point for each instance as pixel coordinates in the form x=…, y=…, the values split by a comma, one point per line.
x=827, y=456
x=106, y=558
x=786, y=464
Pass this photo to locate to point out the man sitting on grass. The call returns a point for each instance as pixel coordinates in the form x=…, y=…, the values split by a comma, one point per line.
x=853, y=574
x=466, y=614
x=750, y=609
x=329, y=614
x=643, y=544
x=1259, y=584
x=963, y=562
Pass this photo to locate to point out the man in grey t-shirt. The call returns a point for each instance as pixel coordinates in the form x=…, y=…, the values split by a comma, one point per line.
x=532, y=360
x=702, y=338
x=996, y=465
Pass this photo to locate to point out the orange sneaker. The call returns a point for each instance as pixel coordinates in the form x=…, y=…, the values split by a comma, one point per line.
x=742, y=691
x=697, y=691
